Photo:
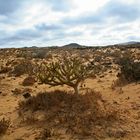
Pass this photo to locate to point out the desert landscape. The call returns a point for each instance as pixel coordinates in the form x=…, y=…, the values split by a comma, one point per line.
x=69, y=69
x=70, y=93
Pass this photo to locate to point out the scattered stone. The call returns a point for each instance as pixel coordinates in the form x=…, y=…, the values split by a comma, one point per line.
x=26, y=95
x=115, y=102
x=127, y=98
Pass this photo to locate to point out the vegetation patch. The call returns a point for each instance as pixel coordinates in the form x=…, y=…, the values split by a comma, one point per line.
x=79, y=114
x=130, y=70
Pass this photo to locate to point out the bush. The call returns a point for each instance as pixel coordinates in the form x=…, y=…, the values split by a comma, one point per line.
x=4, y=69
x=24, y=67
x=57, y=98
x=4, y=125
x=130, y=70
x=28, y=81
x=41, y=54
x=79, y=114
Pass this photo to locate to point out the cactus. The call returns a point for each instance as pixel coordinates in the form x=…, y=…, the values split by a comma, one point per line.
x=66, y=71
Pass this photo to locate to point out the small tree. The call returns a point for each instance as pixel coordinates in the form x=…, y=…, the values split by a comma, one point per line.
x=66, y=71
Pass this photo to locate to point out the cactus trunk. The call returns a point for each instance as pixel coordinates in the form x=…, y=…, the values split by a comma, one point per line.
x=75, y=89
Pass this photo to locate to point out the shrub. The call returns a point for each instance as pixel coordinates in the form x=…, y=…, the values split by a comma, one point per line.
x=79, y=114
x=4, y=69
x=39, y=54
x=48, y=100
x=130, y=70
x=24, y=67
x=4, y=125
x=28, y=81
x=45, y=134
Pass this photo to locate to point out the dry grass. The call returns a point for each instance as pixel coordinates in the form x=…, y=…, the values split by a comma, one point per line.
x=79, y=114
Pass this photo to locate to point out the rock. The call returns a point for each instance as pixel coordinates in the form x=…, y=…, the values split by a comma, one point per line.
x=3, y=94
x=26, y=95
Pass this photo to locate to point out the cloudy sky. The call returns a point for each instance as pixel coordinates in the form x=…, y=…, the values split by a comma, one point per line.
x=59, y=22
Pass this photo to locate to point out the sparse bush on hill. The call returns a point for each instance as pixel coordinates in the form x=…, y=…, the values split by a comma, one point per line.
x=65, y=71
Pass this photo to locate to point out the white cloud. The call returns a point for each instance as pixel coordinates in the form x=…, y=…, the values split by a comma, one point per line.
x=89, y=22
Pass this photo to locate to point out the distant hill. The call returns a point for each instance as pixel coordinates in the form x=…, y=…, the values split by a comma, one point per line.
x=129, y=43
x=73, y=45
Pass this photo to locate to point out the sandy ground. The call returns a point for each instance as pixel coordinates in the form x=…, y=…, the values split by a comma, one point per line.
x=127, y=97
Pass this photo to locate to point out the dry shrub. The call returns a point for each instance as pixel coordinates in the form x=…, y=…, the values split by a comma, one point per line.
x=28, y=81
x=130, y=70
x=60, y=99
x=48, y=133
x=24, y=67
x=4, y=69
x=44, y=134
x=17, y=91
x=79, y=114
x=4, y=125
x=41, y=54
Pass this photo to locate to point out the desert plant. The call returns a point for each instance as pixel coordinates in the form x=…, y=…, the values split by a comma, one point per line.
x=39, y=54
x=28, y=81
x=4, y=69
x=78, y=114
x=66, y=71
x=45, y=134
x=24, y=67
x=4, y=125
x=130, y=70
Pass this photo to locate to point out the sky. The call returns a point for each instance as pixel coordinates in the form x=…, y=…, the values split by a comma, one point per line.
x=25, y=23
